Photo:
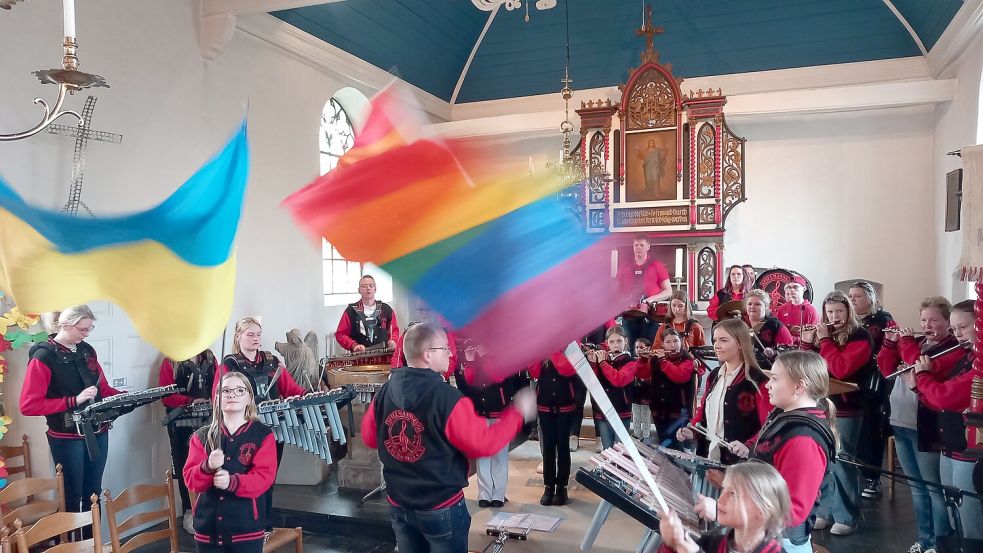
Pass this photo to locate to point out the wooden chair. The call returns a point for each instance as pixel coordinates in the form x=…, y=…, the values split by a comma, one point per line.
x=20, y=502
x=278, y=538
x=61, y=524
x=9, y=452
x=137, y=495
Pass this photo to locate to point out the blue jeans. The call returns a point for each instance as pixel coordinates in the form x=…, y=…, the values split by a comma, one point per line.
x=930, y=511
x=606, y=432
x=960, y=475
x=438, y=531
x=82, y=477
x=840, y=492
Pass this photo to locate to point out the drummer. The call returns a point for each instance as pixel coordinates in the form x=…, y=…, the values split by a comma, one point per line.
x=648, y=280
x=367, y=323
x=796, y=312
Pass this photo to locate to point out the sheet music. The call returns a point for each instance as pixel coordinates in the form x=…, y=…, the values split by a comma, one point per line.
x=524, y=521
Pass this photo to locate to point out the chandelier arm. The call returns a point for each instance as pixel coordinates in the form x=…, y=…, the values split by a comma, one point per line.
x=50, y=114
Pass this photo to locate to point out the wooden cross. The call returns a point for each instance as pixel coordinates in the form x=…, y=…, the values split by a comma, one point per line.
x=647, y=30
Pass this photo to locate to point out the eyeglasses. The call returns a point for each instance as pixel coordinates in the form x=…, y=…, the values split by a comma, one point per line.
x=86, y=330
x=233, y=392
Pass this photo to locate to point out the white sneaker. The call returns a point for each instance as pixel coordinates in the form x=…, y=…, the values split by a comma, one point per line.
x=842, y=529
x=820, y=524
x=539, y=468
x=189, y=523
x=574, y=443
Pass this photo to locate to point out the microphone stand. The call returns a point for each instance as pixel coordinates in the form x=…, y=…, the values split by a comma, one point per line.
x=953, y=495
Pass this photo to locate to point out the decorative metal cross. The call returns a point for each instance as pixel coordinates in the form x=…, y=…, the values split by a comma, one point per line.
x=83, y=133
x=647, y=30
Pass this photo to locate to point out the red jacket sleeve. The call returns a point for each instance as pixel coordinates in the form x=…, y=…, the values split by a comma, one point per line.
x=287, y=386
x=166, y=378
x=394, y=330
x=679, y=371
x=701, y=403
x=802, y=463
x=764, y=404
x=843, y=363
x=618, y=377
x=888, y=358
x=471, y=434
x=909, y=349
x=343, y=334
x=197, y=476
x=784, y=337
x=712, y=308
x=562, y=364
x=32, y=396
x=945, y=395
x=369, y=437
x=259, y=478
x=397, y=360
x=699, y=337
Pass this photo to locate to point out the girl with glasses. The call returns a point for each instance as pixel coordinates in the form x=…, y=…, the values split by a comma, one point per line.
x=231, y=466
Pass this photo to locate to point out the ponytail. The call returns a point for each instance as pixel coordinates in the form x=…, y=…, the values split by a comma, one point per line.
x=827, y=404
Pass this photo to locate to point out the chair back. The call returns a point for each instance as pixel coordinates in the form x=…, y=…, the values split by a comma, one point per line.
x=23, y=450
x=60, y=524
x=19, y=502
x=142, y=494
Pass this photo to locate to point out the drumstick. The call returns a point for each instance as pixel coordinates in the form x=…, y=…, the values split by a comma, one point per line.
x=710, y=436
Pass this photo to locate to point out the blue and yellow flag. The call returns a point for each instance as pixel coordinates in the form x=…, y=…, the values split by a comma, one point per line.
x=171, y=268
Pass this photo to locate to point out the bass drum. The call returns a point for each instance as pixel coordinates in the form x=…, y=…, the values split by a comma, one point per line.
x=773, y=281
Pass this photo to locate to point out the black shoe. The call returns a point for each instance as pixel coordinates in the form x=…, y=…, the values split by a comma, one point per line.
x=561, y=496
x=547, y=498
x=483, y=503
x=872, y=489
x=496, y=504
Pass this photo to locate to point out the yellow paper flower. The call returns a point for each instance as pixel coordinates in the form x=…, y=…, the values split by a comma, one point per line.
x=15, y=317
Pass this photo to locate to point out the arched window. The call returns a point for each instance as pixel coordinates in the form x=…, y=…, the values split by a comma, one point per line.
x=340, y=276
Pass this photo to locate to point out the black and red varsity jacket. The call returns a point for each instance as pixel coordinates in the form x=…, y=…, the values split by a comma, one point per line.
x=616, y=377
x=558, y=388
x=746, y=407
x=852, y=362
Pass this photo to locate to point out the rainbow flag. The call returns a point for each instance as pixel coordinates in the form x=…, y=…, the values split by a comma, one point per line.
x=488, y=246
x=171, y=268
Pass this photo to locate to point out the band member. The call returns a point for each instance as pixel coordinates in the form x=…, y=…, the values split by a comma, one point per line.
x=426, y=314
x=266, y=374
x=558, y=393
x=769, y=332
x=672, y=387
x=735, y=403
x=648, y=281
x=615, y=368
x=233, y=476
x=915, y=427
x=737, y=287
x=63, y=374
x=754, y=505
x=681, y=318
x=846, y=347
x=425, y=432
x=799, y=437
x=796, y=312
x=641, y=415
x=367, y=322
x=490, y=400
x=196, y=376
x=948, y=391
x=876, y=421
x=750, y=273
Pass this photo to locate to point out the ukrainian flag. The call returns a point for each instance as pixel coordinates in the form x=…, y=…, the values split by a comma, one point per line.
x=171, y=268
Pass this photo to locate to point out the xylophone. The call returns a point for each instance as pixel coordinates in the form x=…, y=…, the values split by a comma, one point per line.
x=613, y=476
x=305, y=421
x=379, y=356
x=89, y=419
x=194, y=415
x=364, y=392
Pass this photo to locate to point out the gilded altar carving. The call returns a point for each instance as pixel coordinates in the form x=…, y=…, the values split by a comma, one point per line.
x=652, y=103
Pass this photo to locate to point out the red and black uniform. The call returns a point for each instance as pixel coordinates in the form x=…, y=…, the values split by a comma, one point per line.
x=799, y=444
x=908, y=349
x=558, y=401
x=949, y=393
x=850, y=362
x=196, y=376
x=876, y=425
x=399, y=360
x=796, y=315
x=492, y=398
x=876, y=323
x=772, y=333
x=425, y=432
x=616, y=376
x=746, y=407
x=722, y=296
x=55, y=375
x=724, y=543
x=260, y=373
x=355, y=327
x=238, y=514
x=670, y=390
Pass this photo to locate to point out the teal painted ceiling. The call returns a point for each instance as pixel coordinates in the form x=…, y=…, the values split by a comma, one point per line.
x=427, y=42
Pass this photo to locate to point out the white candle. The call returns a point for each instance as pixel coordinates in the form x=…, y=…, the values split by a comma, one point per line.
x=69, y=6
x=679, y=262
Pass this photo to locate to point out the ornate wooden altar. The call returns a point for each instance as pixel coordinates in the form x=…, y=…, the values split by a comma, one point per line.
x=676, y=170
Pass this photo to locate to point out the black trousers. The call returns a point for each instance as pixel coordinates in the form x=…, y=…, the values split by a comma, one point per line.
x=875, y=430
x=554, y=428
x=180, y=437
